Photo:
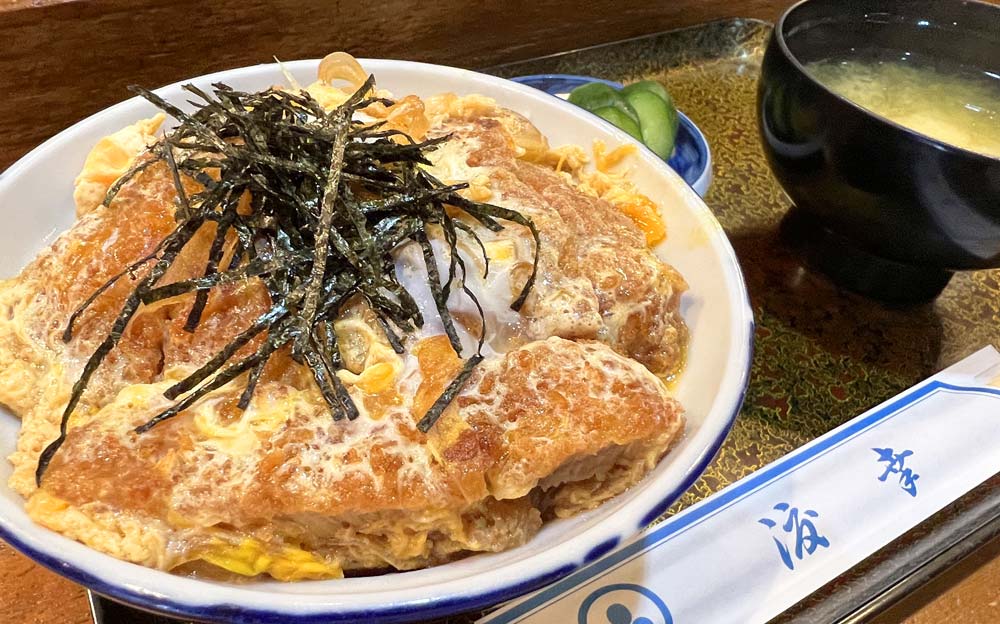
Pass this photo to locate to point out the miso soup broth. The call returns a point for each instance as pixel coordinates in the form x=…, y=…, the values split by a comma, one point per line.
x=947, y=103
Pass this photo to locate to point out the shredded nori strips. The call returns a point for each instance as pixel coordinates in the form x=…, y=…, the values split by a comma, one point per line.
x=331, y=198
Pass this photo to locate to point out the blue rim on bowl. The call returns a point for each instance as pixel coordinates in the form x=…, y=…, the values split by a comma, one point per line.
x=691, y=159
x=464, y=585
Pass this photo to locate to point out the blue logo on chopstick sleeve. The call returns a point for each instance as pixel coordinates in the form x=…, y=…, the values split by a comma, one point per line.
x=801, y=528
x=895, y=465
x=623, y=603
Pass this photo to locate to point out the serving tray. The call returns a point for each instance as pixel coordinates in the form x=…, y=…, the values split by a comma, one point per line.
x=822, y=355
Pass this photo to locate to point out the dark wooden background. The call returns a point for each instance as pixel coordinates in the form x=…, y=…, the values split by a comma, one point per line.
x=62, y=61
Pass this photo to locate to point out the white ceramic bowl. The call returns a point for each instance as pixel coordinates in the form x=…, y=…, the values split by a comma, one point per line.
x=36, y=204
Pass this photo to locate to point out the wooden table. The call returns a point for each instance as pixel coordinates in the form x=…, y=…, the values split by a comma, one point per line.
x=63, y=60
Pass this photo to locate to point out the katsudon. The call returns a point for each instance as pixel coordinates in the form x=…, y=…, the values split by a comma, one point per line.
x=310, y=331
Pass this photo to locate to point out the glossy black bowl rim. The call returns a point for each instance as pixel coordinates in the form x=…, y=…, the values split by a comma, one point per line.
x=779, y=37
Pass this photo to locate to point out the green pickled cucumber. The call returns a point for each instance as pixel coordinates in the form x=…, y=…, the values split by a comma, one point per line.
x=657, y=121
x=649, y=85
x=620, y=119
x=595, y=95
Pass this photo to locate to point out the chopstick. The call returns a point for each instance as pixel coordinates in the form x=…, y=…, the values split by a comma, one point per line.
x=905, y=564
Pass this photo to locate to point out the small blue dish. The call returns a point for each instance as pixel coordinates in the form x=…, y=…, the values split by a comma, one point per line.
x=691, y=158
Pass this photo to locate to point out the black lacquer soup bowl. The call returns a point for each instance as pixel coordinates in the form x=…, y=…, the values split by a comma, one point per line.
x=882, y=209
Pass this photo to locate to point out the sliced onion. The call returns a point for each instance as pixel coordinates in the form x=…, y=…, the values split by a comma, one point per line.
x=342, y=66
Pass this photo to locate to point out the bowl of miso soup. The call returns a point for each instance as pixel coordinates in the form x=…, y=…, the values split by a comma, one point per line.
x=881, y=120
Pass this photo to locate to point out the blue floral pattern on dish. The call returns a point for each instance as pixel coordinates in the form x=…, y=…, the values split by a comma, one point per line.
x=691, y=158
